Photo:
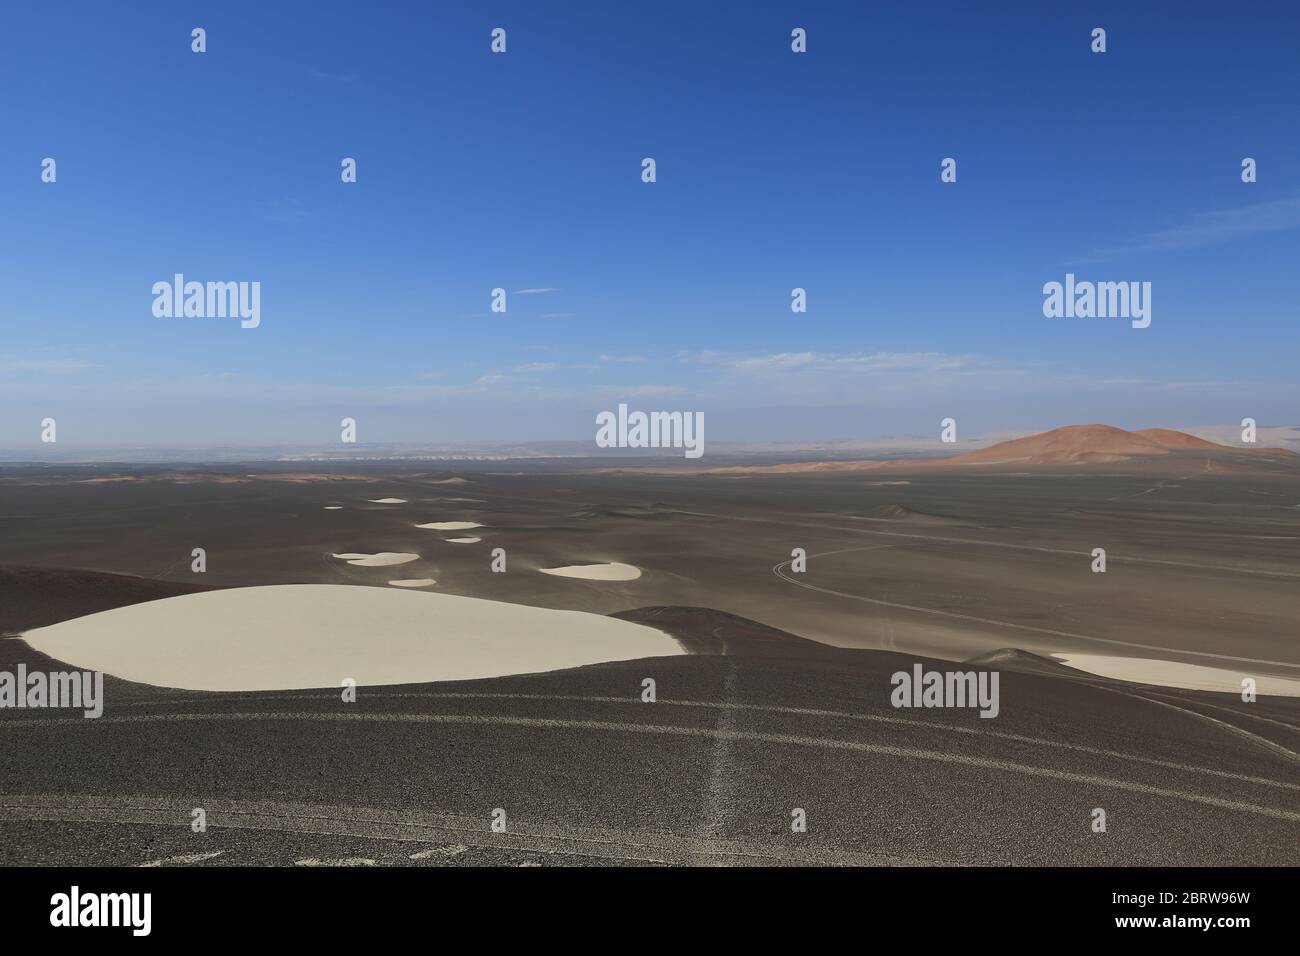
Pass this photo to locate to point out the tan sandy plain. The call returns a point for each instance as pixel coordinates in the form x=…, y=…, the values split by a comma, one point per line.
x=296, y=636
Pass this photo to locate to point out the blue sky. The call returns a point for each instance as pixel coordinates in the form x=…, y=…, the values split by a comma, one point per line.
x=522, y=171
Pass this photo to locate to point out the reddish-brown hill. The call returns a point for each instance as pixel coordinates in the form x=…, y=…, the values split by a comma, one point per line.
x=1068, y=445
x=1179, y=441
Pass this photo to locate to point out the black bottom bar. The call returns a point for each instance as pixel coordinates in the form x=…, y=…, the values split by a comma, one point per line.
x=305, y=905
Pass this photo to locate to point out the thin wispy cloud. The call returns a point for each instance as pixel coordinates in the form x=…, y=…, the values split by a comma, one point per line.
x=844, y=361
x=534, y=291
x=641, y=391
x=894, y=378
x=1211, y=229
x=286, y=211
x=553, y=366
x=48, y=366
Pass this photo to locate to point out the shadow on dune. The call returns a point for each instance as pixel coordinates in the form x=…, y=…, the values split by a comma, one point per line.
x=33, y=597
x=702, y=630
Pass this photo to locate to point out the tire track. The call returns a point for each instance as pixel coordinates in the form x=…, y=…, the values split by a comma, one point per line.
x=1263, y=742
x=955, y=615
x=423, y=827
x=548, y=723
x=804, y=712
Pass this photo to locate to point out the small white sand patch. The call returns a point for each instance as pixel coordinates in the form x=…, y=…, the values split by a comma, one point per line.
x=346, y=861
x=449, y=525
x=462, y=540
x=299, y=636
x=381, y=560
x=1142, y=670
x=185, y=859
x=451, y=849
x=387, y=501
x=614, y=571
x=333, y=507
x=413, y=583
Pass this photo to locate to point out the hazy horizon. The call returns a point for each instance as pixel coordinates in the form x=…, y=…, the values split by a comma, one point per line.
x=895, y=446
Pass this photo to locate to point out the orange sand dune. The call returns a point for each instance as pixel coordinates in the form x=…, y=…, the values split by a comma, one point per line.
x=1179, y=440
x=1068, y=445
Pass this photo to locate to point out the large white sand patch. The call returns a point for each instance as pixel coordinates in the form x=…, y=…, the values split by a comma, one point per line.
x=387, y=501
x=294, y=636
x=1142, y=670
x=449, y=525
x=613, y=571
